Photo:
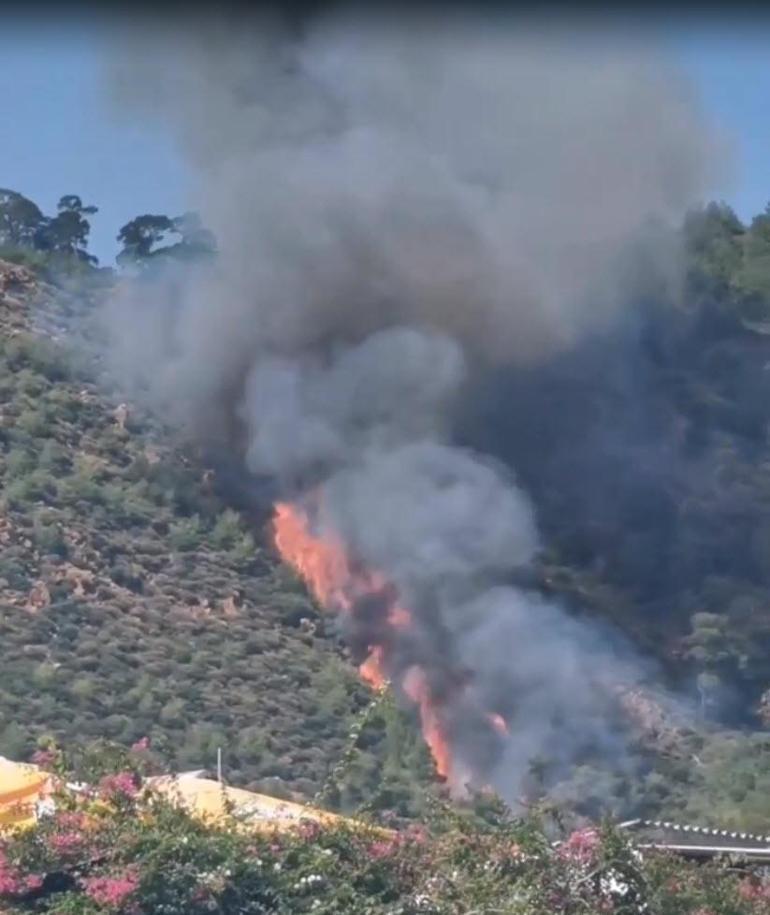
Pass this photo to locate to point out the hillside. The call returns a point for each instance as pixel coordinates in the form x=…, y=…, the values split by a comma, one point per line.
x=135, y=602
x=142, y=595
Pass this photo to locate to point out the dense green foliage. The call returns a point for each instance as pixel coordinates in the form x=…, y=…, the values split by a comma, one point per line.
x=119, y=847
x=136, y=602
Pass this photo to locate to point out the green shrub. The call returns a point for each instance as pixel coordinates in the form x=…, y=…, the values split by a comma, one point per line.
x=54, y=458
x=19, y=462
x=30, y=383
x=227, y=530
x=186, y=533
x=14, y=572
x=39, y=354
x=29, y=488
x=32, y=422
x=48, y=537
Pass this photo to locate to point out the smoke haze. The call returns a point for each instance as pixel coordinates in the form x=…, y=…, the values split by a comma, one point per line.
x=400, y=206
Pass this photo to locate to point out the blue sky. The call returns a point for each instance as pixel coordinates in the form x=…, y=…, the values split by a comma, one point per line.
x=58, y=137
x=731, y=71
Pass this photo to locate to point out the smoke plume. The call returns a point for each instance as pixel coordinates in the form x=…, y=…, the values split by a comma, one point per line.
x=401, y=205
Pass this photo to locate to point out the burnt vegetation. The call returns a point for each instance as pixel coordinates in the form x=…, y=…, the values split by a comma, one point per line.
x=141, y=597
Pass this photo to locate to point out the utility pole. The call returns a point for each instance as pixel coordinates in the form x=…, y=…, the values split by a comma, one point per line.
x=219, y=764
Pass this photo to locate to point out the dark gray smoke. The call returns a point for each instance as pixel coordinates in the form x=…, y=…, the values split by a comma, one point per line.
x=397, y=205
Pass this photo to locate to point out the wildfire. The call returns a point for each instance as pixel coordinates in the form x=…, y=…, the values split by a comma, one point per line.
x=339, y=584
x=416, y=687
x=321, y=563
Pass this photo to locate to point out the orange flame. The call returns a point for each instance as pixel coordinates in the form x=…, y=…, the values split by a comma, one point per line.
x=321, y=563
x=416, y=687
x=325, y=565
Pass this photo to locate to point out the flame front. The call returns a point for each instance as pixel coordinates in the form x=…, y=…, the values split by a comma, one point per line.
x=325, y=566
x=321, y=563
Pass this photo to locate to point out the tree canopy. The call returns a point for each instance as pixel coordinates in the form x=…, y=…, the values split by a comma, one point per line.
x=27, y=234
x=148, y=238
x=68, y=231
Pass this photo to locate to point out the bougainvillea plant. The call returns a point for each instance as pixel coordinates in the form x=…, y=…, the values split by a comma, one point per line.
x=118, y=847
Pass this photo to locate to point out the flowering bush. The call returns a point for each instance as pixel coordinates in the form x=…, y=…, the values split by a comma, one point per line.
x=122, y=849
x=582, y=846
x=111, y=892
x=14, y=881
x=118, y=787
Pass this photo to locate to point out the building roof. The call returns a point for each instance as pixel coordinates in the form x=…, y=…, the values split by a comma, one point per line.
x=22, y=786
x=698, y=841
x=218, y=803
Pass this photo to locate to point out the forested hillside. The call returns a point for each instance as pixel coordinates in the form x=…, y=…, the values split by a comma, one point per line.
x=140, y=598
x=135, y=601
x=655, y=489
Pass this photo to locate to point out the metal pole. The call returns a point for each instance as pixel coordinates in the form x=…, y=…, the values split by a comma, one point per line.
x=219, y=764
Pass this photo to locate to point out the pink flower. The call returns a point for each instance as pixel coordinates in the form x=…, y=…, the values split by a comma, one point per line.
x=32, y=882
x=66, y=843
x=416, y=833
x=122, y=785
x=142, y=744
x=110, y=892
x=70, y=819
x=13, y=882
x=753, y=889
x=44, y=758
x=581, y=846
x=9, y=882
x=382, y=849
x=309, y=830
